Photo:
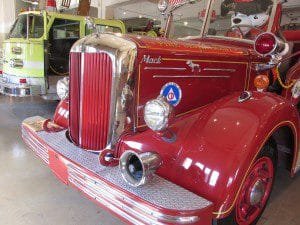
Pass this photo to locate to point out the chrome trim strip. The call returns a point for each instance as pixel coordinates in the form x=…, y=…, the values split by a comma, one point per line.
x=81, y=97
x=220, y=70
x=230, y=39
x=35, y=145
x=113, y=100
x=113, y=199
x=188, y=76
x=165, y=68
x=218, y=37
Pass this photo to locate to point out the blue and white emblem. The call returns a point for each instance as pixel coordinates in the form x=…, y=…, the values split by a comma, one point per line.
x=172, y=92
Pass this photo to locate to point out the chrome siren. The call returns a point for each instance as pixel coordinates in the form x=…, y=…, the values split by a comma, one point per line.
x=138, y=168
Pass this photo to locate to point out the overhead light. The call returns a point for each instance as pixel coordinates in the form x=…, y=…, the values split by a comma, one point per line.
x=140, y=16
x=185, y=23
x=31, y=2
x=124, y=13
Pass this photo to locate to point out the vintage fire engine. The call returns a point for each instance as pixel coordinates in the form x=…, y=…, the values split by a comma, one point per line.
x=182, y=129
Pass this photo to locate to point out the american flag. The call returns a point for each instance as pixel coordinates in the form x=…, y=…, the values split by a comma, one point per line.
x=174, y=2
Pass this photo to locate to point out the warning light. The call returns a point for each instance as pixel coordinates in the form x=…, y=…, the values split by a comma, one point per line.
x=261, y=82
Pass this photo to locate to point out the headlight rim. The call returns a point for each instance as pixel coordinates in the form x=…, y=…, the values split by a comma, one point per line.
x=168, y=113
x=150, y=161
x=123, y=166
x=65, y=82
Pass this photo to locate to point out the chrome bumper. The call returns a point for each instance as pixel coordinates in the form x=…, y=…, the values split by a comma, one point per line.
x=19, y=90
x=160, y=202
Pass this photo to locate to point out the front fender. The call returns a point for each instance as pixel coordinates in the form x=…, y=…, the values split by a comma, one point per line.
x=216, y=146
x=61, y=115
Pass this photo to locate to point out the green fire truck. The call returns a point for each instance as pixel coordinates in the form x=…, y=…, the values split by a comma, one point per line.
x=36, y=51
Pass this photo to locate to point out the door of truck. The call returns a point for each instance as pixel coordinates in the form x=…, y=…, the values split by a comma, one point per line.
x=63, y=32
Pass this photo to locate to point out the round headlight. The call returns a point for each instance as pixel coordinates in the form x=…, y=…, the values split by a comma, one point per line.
x=162, y=5
x=157, y=114
x=62, y=88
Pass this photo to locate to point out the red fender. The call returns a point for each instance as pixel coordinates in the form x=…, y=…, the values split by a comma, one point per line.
x=217, y=145
x=61, y=115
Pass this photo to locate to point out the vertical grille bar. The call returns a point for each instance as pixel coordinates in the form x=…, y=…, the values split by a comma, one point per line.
x=93, y=101
x=75, y=76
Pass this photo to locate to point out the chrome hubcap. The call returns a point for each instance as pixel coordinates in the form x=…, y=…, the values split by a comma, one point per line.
x=257, y=193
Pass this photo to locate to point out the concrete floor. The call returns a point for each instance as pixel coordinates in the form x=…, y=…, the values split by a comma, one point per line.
x=31, y=195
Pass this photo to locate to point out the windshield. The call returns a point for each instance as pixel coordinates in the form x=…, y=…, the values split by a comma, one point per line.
x=240, y=18
x=103, y=28
x=35, y=27
x=243, y=19
x=187, y=20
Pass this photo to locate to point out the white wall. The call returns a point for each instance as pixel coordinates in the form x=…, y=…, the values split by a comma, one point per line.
x=7, y=16
x=141, y=8
x=104, y=4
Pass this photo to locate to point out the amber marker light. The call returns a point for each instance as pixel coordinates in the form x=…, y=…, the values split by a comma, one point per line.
x=261, y=82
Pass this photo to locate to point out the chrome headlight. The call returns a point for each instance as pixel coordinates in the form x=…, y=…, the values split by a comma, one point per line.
x=157, y=114
x=62, y=88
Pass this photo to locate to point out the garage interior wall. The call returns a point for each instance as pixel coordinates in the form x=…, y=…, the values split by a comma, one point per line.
x=7, y=16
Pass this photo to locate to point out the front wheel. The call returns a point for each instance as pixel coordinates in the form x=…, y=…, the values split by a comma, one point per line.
x=255, y=191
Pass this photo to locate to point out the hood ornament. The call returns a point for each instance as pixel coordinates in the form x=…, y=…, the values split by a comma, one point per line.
x=91, y=25
x=193, y=66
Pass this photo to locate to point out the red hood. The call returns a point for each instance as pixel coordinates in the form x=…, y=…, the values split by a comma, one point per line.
x=200, y=46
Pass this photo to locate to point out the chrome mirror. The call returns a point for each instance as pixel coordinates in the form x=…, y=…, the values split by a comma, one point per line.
x=90, y=23
x=163, y=6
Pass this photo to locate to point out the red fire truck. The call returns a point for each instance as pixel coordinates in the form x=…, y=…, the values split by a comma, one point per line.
x=185, y=128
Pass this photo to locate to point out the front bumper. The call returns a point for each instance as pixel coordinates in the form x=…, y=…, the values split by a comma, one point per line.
x=160, y=202
x=20, y=90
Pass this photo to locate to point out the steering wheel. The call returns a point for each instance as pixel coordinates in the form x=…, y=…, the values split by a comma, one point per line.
x=245, y=25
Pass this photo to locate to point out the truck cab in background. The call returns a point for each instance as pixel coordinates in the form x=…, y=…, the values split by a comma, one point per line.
x=36, y=52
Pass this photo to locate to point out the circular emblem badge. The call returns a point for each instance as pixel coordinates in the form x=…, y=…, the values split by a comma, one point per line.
x=172, y=92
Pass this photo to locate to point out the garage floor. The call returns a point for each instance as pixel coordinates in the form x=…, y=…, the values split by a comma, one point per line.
x=31, y=195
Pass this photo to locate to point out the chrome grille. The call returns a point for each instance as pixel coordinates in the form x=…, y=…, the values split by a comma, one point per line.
x=90, y=95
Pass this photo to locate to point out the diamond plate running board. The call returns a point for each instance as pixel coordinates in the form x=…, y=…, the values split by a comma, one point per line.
x=159, y=202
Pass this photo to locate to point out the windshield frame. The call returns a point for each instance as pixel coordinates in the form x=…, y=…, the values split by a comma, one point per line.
x=207, y=22
x=27, y=14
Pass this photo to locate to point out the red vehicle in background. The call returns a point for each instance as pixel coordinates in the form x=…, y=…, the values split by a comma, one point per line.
x=182, y=129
